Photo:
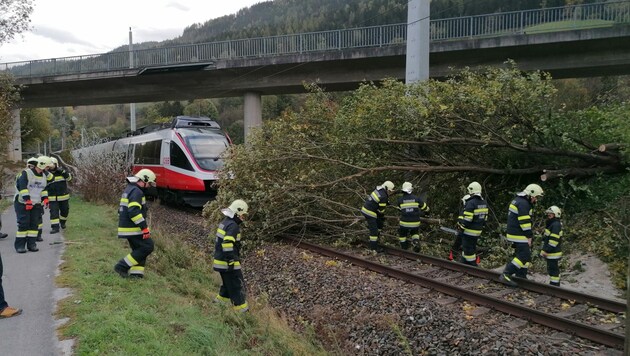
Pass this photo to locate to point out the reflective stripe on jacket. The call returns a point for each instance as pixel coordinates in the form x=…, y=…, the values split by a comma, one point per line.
x=519, y=223
x=552, y=239
x=375, y=203
x=474, y=216
x=58, y=188
x=31, y=186
x=132, y=212
x=410, y=207
x=227, y=245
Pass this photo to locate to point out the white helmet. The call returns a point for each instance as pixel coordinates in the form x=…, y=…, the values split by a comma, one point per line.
x=534, y=190
x=54, y=161
x=554, y=210
x=239, y=207
x=43, y=162
x=31, y=161
x=465, y=198
x=146, y=175
x=474, y=188
x=388, y=185
x=407, y=187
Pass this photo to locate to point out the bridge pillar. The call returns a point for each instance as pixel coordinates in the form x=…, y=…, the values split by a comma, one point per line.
x=15, y=144
x=252, y=108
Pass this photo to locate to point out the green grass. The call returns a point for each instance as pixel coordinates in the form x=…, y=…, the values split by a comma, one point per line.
x=170, y=312
x=568, y=25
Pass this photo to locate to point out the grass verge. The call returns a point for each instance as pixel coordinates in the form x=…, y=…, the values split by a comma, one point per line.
x=170, y=312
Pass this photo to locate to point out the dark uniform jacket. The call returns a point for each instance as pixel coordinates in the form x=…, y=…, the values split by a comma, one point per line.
x=132, y=212
x=58, y=188
x=410, y=207
x=552, y=238
x=519, y=223
x=227, y=245
x=376, y=203
x=473, y=216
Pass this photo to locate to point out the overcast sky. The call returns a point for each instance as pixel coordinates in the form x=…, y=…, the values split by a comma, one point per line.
x=75, y=27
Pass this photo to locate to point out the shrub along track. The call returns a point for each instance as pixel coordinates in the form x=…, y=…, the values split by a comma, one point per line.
x=356, y=311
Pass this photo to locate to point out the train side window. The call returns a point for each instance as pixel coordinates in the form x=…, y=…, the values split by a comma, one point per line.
x=178, y=158
x=148, y=152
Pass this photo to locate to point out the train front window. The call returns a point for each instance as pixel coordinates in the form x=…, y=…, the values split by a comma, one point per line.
x=206, y=146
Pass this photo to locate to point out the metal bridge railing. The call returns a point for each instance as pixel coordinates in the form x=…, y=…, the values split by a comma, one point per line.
x=491, y=25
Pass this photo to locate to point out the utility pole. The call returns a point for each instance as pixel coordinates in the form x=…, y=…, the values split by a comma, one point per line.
x=132, y=106
x=418, y=37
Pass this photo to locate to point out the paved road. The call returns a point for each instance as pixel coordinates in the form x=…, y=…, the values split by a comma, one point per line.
x=29, y=284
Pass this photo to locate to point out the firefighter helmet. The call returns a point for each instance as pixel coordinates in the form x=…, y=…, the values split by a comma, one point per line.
x=32, y=161
x=554, y=210
x=54, y=161
x=146, y=175
x=534, y=190
x=239, y=207
x=474, y=188
x=407, y=187
x=43, y=162
x=388, y=185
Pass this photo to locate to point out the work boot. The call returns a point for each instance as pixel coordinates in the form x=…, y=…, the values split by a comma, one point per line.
x=33, y=248
x=31, y=244
x=122, y=271
x=505, y=279
x=63, y=224
x=3, y=235
x=20, y=245
x=404, y=245
x=54, y=230
x=39, y=236
x=10, y=312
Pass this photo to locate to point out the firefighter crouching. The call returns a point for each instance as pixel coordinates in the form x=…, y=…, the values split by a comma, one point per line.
x=58, y=196
x=227, y=260
x=29, y=203
x=471, y=222
x=374, y=211
x=132, y=224
x=551, y=250
x=409, y=225
x=520, y=233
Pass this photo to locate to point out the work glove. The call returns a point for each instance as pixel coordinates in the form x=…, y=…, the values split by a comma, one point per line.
x=29, y=205
x=460, y=227
x=46, y=203
x=146, y=234
x=230, y=265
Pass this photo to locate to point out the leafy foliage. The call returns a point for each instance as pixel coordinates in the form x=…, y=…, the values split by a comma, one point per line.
x=308, y=172
x=14, y=18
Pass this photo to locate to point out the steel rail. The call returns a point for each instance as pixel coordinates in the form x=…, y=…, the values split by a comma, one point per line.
x=594, y=334
x=599, y=302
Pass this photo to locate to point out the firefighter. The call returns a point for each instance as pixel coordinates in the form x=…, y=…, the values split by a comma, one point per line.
x=29, y=203
x=551, y=250
x=410, y=207
x=227, y=259
x=132, y=224
x=520, y=233
x=457, y=244
x=58, y=196
x=31, y=163
x=374, y=211
x=471, y=222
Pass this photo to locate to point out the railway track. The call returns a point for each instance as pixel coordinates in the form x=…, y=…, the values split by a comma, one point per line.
x=561, y=309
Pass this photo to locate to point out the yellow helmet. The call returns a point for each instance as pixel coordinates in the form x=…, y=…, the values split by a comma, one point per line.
x=146, y=175
x=43, y=162
x=388, y=185
x=407, y=187
x=239, y=207
x=554, y=210
x=534, y=190
x=474, y=188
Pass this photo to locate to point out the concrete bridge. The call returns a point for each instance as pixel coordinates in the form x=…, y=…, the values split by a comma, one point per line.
x=585, y=40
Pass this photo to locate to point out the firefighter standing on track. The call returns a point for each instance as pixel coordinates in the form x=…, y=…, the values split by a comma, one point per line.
x=132, y=224
x=29, y=202
x=58, y=196
x=520, y=233
x=471, y=222
x=227, y=262
x=457, y=244
x=410, y=207
x=551, y=250
x=374, y=211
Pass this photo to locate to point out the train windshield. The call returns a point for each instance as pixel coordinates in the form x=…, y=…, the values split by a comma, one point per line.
x=206, y=146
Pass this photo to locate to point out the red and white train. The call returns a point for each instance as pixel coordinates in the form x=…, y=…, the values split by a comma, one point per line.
x=186, y=157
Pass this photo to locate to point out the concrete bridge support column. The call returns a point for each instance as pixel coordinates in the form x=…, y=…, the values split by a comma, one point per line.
x=15, y=144
x=253, y=112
